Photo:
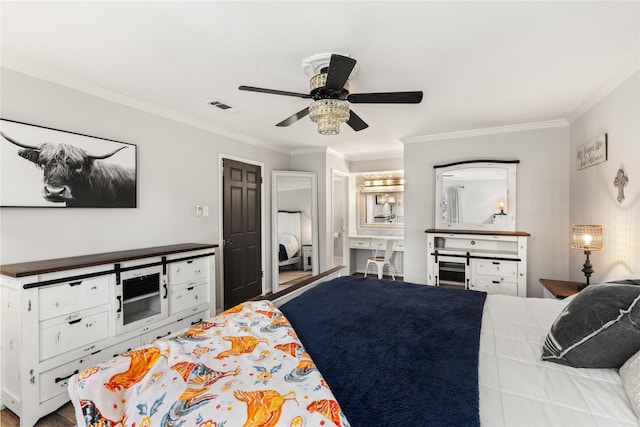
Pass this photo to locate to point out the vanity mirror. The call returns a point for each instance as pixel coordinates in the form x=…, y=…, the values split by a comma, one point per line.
x=476, y=195
x=381, y=202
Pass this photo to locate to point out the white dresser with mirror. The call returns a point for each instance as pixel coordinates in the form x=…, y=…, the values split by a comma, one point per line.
x=475, y=244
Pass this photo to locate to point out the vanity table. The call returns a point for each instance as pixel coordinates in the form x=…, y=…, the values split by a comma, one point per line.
x=363, y=247
x=376, y=217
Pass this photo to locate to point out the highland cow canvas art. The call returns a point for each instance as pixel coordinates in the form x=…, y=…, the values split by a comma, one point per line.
x=45, y=167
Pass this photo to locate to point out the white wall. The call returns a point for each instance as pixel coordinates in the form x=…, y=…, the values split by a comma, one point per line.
x=593, y=195
x=390, y=164
x=542, y=195
x=177, y=169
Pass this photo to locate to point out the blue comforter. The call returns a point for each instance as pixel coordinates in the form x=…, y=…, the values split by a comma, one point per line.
x=394, y=353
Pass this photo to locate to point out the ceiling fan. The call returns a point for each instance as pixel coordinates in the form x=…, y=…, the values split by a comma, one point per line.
x=331, y=98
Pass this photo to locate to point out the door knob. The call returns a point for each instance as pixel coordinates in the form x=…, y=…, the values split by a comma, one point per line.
x=227, y=242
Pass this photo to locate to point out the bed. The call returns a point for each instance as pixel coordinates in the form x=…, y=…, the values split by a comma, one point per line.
x=392, y=354
x=289, y=238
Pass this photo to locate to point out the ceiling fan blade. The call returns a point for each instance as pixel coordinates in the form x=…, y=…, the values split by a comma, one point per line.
x=356, y=122
x=340, y=68
x=292, y=119
x=386, y=98
x=274, y=92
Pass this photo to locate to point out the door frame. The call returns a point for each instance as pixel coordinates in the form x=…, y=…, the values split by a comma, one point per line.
x=346, y=251
x=220, y=273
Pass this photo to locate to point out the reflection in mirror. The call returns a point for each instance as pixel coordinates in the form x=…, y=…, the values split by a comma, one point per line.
x=383, y=208
x=381, y=201
x=476, y=195
x=294, y=227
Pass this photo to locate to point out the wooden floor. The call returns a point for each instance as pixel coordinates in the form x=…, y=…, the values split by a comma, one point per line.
x=63, y=417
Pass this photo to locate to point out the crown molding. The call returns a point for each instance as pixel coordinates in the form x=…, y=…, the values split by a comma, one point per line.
x=627, y=70
x=310, y=150
x=378, y=155
x=485, y=131
x=336, y=153
x=137, y=104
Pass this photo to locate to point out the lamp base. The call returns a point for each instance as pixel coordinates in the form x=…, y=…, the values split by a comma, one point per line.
x=587, y=270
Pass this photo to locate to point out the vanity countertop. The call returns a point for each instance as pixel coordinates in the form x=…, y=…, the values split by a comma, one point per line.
x=375, y=236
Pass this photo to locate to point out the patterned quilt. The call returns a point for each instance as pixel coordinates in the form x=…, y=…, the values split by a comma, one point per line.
x=245, y=366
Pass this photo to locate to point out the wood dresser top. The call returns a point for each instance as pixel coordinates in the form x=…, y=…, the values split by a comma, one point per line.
x=479, y=232
x=23, y=269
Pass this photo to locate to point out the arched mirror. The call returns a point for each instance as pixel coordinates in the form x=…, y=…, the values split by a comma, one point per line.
x=294, y=229
x=476, y=195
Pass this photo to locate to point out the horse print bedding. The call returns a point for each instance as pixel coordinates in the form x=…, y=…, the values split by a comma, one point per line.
x=245, y=366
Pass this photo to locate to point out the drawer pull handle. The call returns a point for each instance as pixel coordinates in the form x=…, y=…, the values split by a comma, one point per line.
x=190, y=288
x=166, y=292
x=75, y=283
x=190, y=261
x=496, y=282
x=196, y=322
x=495, y=263
x=96, y=352
x=73, y=322
x=119, y=298
x=162, y=336
x=60, y=379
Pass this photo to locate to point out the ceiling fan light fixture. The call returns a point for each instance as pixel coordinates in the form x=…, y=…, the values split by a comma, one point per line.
x=329, y=114
x=320, y=80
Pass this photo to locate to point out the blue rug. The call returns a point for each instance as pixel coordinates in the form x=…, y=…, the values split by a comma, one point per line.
x=394, y=353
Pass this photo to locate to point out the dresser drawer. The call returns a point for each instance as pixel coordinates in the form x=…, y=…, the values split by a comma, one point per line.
x=187, y=297
x=110, y=352
x=73, y=296
x=495, y=285
x=54, y=381
x=61, y=335
x=358, y=243
x=497, y=268
x=193, y=270
x=380, y=244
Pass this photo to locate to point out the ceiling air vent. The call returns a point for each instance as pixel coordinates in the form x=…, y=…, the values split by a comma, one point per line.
x=219, y=104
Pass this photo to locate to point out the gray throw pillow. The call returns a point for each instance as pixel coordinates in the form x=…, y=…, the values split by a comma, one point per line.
x=599, y=328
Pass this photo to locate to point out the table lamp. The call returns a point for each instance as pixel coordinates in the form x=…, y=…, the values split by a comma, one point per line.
x=587, y=238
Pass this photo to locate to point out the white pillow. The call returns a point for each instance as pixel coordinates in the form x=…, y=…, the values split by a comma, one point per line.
x=630, y=373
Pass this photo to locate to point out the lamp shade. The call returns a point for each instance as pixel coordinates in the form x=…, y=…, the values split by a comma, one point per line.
x=391, y=199
x=587, y=237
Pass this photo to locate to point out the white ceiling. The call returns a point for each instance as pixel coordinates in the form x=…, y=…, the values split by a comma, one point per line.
x=480, y=64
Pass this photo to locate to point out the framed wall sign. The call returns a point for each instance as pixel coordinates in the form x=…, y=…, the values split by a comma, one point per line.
x=593, y=152
x=45, y=167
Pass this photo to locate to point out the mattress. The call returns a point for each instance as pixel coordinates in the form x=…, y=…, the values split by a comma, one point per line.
x=518, y=389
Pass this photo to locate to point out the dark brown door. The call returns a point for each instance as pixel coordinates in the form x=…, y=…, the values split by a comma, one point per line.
x=241, y=232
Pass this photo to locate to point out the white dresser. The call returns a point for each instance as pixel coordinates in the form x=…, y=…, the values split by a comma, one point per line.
x=491, y=261
x=60, y=316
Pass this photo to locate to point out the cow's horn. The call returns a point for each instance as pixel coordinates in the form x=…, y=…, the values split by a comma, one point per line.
x=107, y=155
x=29, y=147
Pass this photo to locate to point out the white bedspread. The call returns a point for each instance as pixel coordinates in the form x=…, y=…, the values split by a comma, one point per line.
x=518, y=389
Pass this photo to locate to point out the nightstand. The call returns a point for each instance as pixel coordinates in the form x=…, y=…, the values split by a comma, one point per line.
x=307, y=252
x=560, y=289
